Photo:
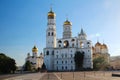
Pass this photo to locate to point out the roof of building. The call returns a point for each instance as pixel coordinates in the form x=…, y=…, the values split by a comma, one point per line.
x=67, y=22
x=34, y=49
x=51, y=14
x=98, y=44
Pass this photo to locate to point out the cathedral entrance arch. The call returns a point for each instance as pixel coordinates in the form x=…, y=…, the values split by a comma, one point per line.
x=66, y=44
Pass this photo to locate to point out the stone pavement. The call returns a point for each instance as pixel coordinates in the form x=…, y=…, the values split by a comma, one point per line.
x=35, y=76
x=66, y=76
x=32, y=76
x=50, y=76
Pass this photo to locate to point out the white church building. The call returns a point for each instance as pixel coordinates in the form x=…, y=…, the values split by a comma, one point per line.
x=59, y=52
x=35, y=59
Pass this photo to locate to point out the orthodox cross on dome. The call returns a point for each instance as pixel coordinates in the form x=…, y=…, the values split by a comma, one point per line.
x=66, y=17
x=51, y=6
x=97, y=39
x=103, y=41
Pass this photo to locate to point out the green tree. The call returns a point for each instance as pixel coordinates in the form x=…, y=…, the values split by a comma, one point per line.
x=78, y=58
x=43, y=66
x=13, y=67
x=100, y=63
x=28, y=66
x=7, y=64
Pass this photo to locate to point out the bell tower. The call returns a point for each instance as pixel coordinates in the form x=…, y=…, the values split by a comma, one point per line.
x=67, y=33
x=51, y=30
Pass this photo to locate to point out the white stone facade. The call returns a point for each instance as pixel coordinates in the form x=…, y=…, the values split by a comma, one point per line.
x=59, y=53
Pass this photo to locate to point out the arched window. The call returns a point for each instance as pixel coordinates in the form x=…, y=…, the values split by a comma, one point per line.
x=52, y=52
x=57, y=62
x=73, y=40
x=62, y=67
x=47, y=53
x=48, y=33
x=88, y=50
x=59, y=41
x=66, y=44
x=52, y=33
x=66, y=67
x=59, y=45
x=62, y=62
x=88, y=42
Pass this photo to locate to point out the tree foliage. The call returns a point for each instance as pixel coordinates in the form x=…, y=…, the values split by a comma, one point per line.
x=7, y=64
x=28, y=66
x=100, y=63
x=78, y=58
x=43, y=66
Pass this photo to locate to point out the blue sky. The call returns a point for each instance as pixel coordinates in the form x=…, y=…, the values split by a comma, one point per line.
x=23, y=23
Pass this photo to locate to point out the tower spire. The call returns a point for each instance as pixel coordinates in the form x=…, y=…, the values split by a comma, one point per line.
x=51, y=7
x=103, y=41
x=82, y=32
x=66, y=17
x=97, y=39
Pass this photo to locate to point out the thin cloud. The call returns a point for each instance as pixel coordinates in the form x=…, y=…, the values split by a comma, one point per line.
x=94, y=35
x=117, y=51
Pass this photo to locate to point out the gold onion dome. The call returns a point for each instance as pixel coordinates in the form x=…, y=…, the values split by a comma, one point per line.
x=34, y=49
x=51, y=14
x=98, y=44
x=104, y=46
x=67, y=22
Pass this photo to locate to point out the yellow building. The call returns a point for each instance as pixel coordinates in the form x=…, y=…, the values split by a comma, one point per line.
x=101, y=50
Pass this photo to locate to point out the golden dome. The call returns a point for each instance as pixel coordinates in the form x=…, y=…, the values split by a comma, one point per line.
x=51, y=14
x=98, y=44
x=34, y=49
x=104, y=46
x=67, y=22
